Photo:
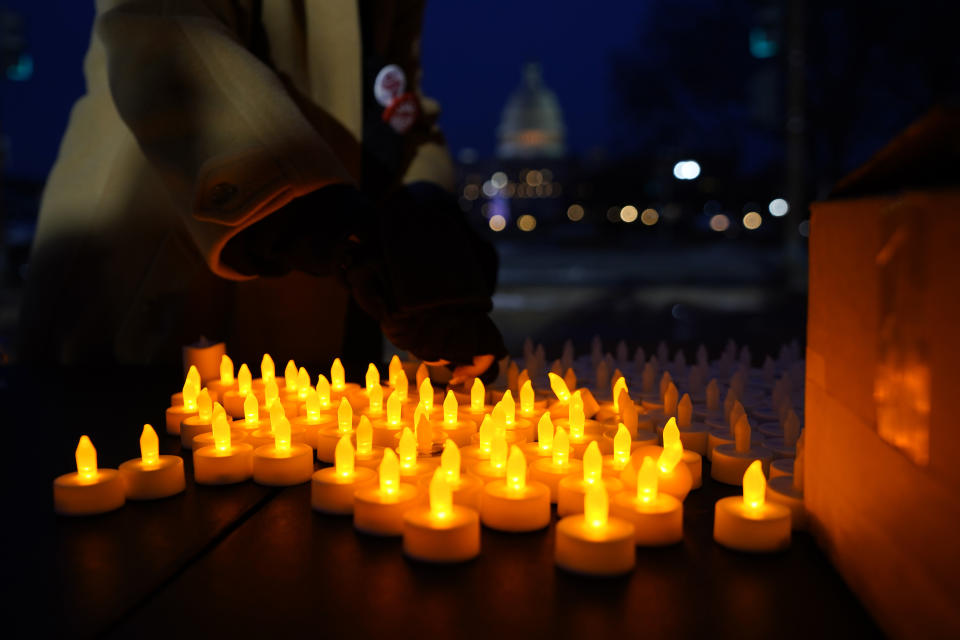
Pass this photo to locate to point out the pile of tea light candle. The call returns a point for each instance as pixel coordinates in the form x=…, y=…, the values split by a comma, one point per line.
x=615, y=440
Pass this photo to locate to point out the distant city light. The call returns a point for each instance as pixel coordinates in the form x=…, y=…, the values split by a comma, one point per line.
x=471, y=192
x=499, y=180
x=804, y=228
x=778, y=207
x=547, y=175
x=534, y=178
x=649, y=217
x=719, y=222
x=575, y=212
x=628, y=213
x=498, y=222
x=527, y=222
x=752, y=220
x=488, y=189
x=686, y=170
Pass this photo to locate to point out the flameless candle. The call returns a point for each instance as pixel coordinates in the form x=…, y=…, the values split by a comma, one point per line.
x=284, y=462
x=374, y=409
x=530, y=408
x=176, y=414
x=749, y=522
x=328, y=437
x=271, y=395
x=366, y=454
x=543, y=447
x=193, y=379
x=712, y=409
x=581, y=431
x=267, y=435
x=152, y=475
x=252, y=419
x=570, y=490
x=781, y=467
x=718, y=435
x=692, y=459
x=611, y=410
x=233, y=399
x=466, y=488
x=332, y=489
x=268, y=373
x=394, y=368
x=426, y=395
x=623, y=446
x=223, y=462
x=385, y=429
x=338, y=384
x=484, y=442
x=514, y=504
x=640, y=438
x=522, y=429
x=788, y=491
x=730, y=461
x=674, y=477
x=226, y=382
x=478, y=399
x=593, y=543
x=313, y=419
x=692, y=434
x=460, y=431
x=202, y=422
x=495, y=467
x=550, y=471
x=89, y=490
x=442, y=531
x=657, y=517
x=412, y=464
x=378, y=510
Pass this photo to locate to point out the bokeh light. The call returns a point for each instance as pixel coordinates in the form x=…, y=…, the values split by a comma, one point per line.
x=686, y=170
x=498, y=222
x=778, y=207
x=628, y=213
x=575, y=212
x=649, y=217
x=498, y=180
x=527, y=222
x=752, y=220
x=804, y=228
x=719, y=222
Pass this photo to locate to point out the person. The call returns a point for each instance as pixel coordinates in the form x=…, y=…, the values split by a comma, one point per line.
x=268, y=173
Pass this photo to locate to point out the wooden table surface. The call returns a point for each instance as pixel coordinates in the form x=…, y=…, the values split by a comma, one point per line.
x=246, y=560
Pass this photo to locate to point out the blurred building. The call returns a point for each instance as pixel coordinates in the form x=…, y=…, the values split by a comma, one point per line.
x=531, y=126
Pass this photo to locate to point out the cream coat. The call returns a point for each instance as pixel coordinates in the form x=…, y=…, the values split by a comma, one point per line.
x=184, y=137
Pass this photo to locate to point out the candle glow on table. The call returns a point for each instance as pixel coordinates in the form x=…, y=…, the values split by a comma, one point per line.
x=332, y=489
x=89, y=490
x=550, y=471
x=750, y=523
x=593, y=543
x=378, y=510
x=284, y=462
x=571, y=489
x=152, y=475
x=515, y=504
x=442, y=531
x=223, y=462
x=657, y=517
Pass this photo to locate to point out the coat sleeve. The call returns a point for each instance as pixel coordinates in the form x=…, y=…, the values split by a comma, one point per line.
x=214, y=121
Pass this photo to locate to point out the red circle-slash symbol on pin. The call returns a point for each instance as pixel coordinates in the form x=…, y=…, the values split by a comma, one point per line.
x=402, y=112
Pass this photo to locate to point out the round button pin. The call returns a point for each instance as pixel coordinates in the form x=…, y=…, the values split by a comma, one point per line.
x=390, y=83
x=402, y=113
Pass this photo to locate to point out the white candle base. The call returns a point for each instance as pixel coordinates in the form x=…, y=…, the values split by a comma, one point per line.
x=467, y=493
x=542, y=470
x=532, y=451
x=728, y=464
x=174, y=416
x=333, y=493
x=312, y=428
x=233, y=402
x=656, y=524
x=779, y=448
x=570, y=492
x=596, y=551
x=742, y=528
x=212, y=466
x=193, y=426
x=369, y=460
x=717, y=437
x=385, y=435
x=382, y=515
x=486, y=472
x=781, y=467
x=75, y=497
x=163, y=479
x=455, y=538
x=505, y=510
x=276, y=468
x=326, y=442
x=460, y=432
x=781, y=491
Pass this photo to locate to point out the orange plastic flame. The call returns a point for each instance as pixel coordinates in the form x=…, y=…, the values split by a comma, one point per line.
x=450, y=462
x=204, y=405
x=621, y=447
x=485, y=436
x=323, y=391
x=271, y=393
x=281, y=434
x=343, y=458
x=312, y=407
x=670, y=398
x=478, y=395
x=344, y=416
x=570, y=378
x=193, y=377
x=509, y=408
x=364, y=437
x=376, y=400
x=596, y=505
x=741, y=434
x=498, y=419
x=407, y=449
x=392, y=369
x=389, y=471
x=372, y=377
x=577, y=420
x=498, y=452
x=522, y=378
x=592, y=463
x=685, y=411
x=561, y=449
x=672, y=447
x=451, y=409
x=426, y=394
x=337, y=375
x=559, y=387
x=251, y=411
x=400, y=386
x=221, y=432
x=423, y=431
x=394, y=408
x=545, y=433
x=422, y=373
x=226, y=370
x=268, y=371
x=527, y=398
x=303, y=384
x=149, y=447
x=516, y=470
x=619, y=386
x=441, y=497
x=190, y=393
x=86, y=460
x=244, y=380
x=754, y=486
x=276, y=412
x=647, y=479
x=290, y=375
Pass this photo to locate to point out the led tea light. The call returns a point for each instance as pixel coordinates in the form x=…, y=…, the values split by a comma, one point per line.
x=673, y=477
x=581, y=431
x=466, y=488
x=202, y=422
x=784, y=445
x=788, y=491
x=177, y=413
x=495, y=467
x=610, y=411
x=571, y=489
x=332, y=489
x=781, y=467
x=271, y=396
x=193, y=379
x=442, y=531
x=223, y=462
x=550, y=471
x=749, y=522
x=328, y=437
x=530, y=408
x=268, y=373
x=338, y=381
x=725, y=434
x=314, y=417
x=394, y=368
x=252, y=419
x=378, y=510
x=283, y=463
x=593, y=543
x=226, y=382
x=89, y=490
x=657, y=518
x=429, y=438
x=233, y=399
x=522, y=429
x=374, y=409
x=267, y=435
x=386, y=429
x=478, y=400
x=730, y=461
x=515, y=504
x=694, y=461
x=632, y=441
x=623, y=446
x=484, y=442
x=457, y=429
x=426, y=395
x=366, y=454
x=693, y=435
x=290, y=382
x=412, y=465
x=543, y=447
x=152, y=475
